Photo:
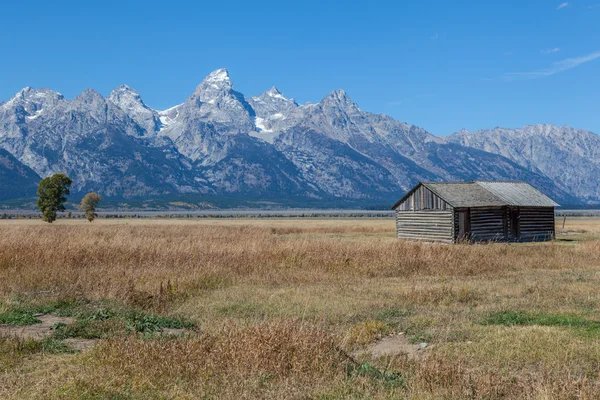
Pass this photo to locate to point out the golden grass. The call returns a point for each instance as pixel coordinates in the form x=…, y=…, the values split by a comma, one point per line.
x=278, y=301
x=284, y=353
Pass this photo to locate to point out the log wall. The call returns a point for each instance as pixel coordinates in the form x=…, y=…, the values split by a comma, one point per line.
x=486, y=224
x=496, y=224
x=433, y=226
x=536, y=224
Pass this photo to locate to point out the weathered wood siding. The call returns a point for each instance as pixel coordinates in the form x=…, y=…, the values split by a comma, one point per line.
x=423, y=199
x=496, y=224
x=485, y=224
x=425, y=225
x=536, y=224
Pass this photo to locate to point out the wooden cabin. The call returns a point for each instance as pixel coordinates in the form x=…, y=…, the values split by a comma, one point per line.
x=476, y=211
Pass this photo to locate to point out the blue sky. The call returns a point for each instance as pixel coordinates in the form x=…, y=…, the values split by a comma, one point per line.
x=442, y=65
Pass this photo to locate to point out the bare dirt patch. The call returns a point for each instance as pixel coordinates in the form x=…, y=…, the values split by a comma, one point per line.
x=45, y=329
x=396, y=345
x=35, y=331
x=80, y=344
x=175, y=331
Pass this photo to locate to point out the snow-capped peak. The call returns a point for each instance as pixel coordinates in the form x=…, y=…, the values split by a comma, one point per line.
x=214, y=85
x=275, y=93
x=218, y=75
x=218, y=79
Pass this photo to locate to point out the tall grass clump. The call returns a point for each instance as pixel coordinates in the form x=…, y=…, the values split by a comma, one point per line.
x=237, y=359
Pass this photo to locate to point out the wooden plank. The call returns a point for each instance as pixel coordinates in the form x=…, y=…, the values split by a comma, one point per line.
x=421, y=198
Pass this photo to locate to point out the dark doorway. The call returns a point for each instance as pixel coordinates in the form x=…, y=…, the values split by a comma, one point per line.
x=515, y=222
x=463, y=225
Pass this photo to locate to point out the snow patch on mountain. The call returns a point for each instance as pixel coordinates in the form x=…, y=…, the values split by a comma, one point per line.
x=169, y=115
x=35, y=114
x=260, y=125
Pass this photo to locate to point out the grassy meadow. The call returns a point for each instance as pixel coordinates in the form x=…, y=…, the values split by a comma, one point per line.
x=289, y=308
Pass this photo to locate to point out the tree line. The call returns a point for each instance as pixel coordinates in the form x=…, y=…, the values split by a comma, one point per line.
x=52, y=195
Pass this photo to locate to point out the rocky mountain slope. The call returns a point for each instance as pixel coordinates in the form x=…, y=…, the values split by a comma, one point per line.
x=570, y=157
x=220, y=143
x=16, y=179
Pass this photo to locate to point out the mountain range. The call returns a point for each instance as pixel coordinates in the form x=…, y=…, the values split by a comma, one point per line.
x=220, y=143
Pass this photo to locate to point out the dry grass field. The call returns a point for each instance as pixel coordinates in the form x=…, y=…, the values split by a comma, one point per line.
x=293, y=308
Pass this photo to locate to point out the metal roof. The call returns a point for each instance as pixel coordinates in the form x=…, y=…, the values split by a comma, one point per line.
x=464, y=194
x=486, y=194
x=518, y=194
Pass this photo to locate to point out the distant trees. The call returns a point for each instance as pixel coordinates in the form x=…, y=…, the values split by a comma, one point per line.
x=89, y=203
x=52, y=192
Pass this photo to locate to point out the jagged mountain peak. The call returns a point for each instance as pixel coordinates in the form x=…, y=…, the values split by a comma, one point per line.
x=124, y=89
x=218, y=142
x=273, y=95
x=25, y=91
x=274, y=113
x=124, y=93
x=90, y=103
x=129, y=100
x=339, y=93
x=273, y=91
x=89, y=94
x=29, y=93
x=528, y=130
x=546, y=129
x=217, y=80
x=30, y=102
x=339, y=98
x=213, y=107
x=218, y=75
x=216, y=86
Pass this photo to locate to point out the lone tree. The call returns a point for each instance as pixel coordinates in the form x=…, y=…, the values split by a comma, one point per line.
x=52, y=192
x=89, y=203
